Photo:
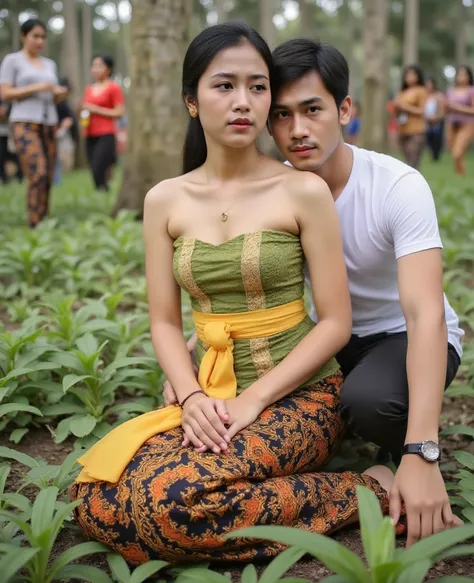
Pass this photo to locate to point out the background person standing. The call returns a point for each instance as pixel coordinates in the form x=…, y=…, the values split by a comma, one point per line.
x=30, y=81
x=410, y=109
x=103, y=104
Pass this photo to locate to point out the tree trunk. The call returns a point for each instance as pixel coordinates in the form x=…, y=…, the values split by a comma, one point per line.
x=86, y=42
x=461, y=38
x=374, y=130
x=71, y=65
x=411, y=31
x=221, y=11
x=15, y=24
x=352, y=24
x=159, y=37
x=70, y=53
x=267, y=28
x=306, y=20
x=268, y=31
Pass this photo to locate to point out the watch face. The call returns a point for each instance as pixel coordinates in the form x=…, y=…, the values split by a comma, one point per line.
x=430, y=450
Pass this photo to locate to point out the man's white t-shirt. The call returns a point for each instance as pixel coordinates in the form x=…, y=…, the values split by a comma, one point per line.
x=386, y=211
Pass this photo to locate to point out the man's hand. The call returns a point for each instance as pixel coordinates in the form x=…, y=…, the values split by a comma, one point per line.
x=420, y=485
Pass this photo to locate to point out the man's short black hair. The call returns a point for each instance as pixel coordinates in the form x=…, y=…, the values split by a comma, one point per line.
x=296, y=58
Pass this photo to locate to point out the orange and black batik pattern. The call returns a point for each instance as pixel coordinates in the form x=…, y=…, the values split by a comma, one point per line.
x=36, y=149
x=176, y=504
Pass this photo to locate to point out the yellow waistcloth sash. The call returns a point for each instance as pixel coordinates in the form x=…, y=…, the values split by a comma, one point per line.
x=107, y=459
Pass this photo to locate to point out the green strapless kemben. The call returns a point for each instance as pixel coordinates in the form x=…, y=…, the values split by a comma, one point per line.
x=253, y=271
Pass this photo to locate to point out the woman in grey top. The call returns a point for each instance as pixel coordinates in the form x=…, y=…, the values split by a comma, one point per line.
x=30, y=82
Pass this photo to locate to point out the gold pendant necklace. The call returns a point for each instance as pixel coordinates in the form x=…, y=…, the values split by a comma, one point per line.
x=224, y=217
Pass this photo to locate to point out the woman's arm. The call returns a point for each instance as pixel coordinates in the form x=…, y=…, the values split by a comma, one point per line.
x=10, y=93
x=164, y=298
x=117, y=112
x=322, y=245
x=201, y=422
x=459, y=108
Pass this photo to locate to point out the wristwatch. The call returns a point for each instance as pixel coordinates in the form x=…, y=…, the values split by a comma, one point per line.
x=428, y=450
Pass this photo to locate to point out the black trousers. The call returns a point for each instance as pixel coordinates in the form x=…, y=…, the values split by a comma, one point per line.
x=374, y=396
x=101, y=154
x=434, y=140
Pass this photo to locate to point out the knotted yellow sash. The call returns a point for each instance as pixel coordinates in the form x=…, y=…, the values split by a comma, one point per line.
x=108, y=458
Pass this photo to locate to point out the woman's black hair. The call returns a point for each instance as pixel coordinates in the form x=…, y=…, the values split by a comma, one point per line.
x=200, y=54
x=468, y=71
x=419, y=73
x=107, y=60
x=30, y=24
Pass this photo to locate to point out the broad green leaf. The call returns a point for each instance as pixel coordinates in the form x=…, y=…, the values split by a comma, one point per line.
x=469, y=514
x=128, y=361
x=75, y=553
x=14, y=560
x=335, y=556
x=249, y=574
x=430, y=547
x=19, y=372
x=67, y=467
x=200, y=575
x=43, y=510
x=84, y=573
x=467, y=495
x=62, y=409
x=87, y=344
x=336, y=579
x=17, y=435
x=22, y=458
x=143, y=572
x=458, y=430
x=16, y=500
x=81, y=426
x=12, y=407
x=465, y=458
x=4, y=472
x=415, y=573
x=280, y=564
x=452, y=579
x=72, y=379
x=459, y=551
x=370, y=516
x=119, y=567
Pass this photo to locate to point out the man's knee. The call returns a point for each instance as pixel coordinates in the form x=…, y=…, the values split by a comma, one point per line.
x=369, y=411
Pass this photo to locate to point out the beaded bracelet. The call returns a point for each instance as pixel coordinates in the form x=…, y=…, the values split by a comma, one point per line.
x=190, y=395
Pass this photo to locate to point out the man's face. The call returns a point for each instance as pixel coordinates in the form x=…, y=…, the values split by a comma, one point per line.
x=305, y=122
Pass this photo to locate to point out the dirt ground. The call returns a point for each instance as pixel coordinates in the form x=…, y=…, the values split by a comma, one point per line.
x=39, y=442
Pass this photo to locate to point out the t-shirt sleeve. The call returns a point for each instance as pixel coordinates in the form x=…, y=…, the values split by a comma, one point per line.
x=410, y=216
x=7, y=70
x=117, y=95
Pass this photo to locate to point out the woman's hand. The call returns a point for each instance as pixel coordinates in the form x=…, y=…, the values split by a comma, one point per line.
x=59, y=91
x=242, y=411
x=91, y=108
x=203, y=423
x=46, y=87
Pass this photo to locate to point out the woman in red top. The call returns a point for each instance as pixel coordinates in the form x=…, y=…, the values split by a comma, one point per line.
x=103, y=103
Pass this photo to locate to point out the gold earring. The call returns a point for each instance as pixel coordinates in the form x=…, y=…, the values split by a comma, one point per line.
x=193, y=112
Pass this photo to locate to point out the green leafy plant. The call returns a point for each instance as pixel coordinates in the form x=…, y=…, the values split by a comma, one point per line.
x=47, y=518
x=385, y=563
